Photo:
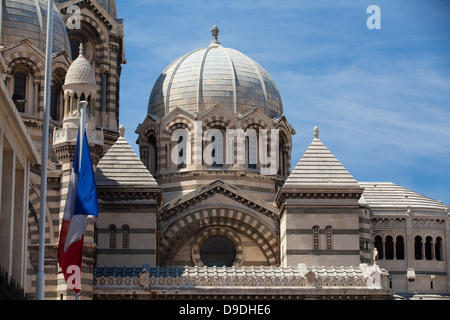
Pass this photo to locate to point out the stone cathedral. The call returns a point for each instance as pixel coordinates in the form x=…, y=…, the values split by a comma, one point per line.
x=200, y=212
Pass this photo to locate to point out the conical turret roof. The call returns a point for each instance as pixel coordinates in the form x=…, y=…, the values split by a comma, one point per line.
x=319, y=168
x=121, y=166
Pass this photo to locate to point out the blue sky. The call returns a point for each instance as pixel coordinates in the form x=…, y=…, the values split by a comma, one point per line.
x=381, y=98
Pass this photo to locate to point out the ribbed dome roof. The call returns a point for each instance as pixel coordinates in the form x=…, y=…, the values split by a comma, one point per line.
x=80, y=71
x=212, y=76
x=27, y=19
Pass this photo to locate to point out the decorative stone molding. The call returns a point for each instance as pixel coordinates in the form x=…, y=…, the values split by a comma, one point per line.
x=284, y=194
x=388, y=223
x=70, y=134
x=434, y=224
x=364, y=276
x=107, y=195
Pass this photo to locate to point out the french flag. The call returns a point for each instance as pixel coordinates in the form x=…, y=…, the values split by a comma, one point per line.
x=81, y=207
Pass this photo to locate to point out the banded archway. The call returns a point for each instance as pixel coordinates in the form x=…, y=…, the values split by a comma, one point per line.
x=193, y=222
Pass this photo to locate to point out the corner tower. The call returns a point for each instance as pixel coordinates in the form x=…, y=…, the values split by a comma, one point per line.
x=102, y=34
x=321, y=220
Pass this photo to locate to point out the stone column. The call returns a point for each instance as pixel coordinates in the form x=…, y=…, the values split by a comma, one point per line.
x=77, y=104
x=1, y=166
x=104, y=90
x=71, y=102
x=19, y=239
x=432, y=253
x=422, y=248
x=7, y=209
x=66, y=106
x=394, y=248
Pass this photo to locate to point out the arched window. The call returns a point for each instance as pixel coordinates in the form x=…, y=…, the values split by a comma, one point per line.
x=329, y=234
x=252, y=150
x=418, y=248
x=180, y=148
x=87, y=36
x=20, y=89
x=428, y=248
x=213, y=148
x=112, y=236
x=55, y=111
x=283, y=169
x=438, y=249
x=217, y=149
x=379, y=245
x=125, y=236
x=181, y=152
x=400, y=248
x=389, y=248
x=153, y=155
x=316, y=244
x=57, y=95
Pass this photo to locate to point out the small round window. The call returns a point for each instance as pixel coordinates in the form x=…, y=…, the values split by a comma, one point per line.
x=218, y=251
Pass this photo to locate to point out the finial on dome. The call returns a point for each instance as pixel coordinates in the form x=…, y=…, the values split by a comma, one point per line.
x=215, y=34
x=122, y=131
x=316, y=132
x=81, y=49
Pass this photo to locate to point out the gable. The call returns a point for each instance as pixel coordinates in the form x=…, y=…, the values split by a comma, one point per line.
x=227, y=193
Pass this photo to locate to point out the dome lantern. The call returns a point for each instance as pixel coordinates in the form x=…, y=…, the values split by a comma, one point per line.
x=215, y=34
x=79, y=85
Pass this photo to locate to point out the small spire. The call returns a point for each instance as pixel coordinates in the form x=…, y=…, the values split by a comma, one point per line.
x=122, y=131
x=316, y=132
x=81, y=49
x=215, y=34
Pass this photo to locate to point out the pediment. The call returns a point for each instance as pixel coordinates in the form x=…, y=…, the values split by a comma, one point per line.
x=217, y=109
x=61, y=58
x=175, y=114
x=149, y=124
x=26, y=46
x=218, y=187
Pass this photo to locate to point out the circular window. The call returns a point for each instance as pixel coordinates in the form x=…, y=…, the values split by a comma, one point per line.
x=218, y=251
x=77, y=38
x=217, y=246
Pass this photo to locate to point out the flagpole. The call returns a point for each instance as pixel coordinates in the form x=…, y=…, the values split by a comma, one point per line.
x=44, y=153
x=83, y=105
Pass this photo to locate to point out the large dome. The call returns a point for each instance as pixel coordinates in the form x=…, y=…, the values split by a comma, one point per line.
x=27, y=19
x=212, y=76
